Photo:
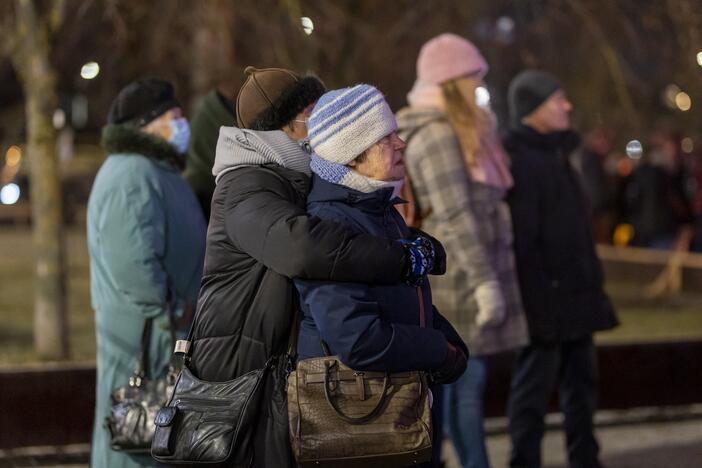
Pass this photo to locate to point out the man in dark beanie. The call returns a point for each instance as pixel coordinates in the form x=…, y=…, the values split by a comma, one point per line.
x=560, y=276
x=146, y=239
x=260, y=237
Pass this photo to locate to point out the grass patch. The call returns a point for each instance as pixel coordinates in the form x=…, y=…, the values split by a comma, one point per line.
x=17, y=297
x=677, y=318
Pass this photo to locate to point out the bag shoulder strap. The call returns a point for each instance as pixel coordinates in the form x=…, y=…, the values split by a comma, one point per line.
x=182, y=348
x=140, y=370
x=422, y=313
x=139, y=373
x=294, y=331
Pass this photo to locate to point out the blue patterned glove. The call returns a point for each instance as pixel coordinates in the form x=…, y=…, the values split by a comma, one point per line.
x=420, y=259
x=439, y=267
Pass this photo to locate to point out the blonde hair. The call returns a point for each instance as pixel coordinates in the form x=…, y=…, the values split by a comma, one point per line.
x=468, y=120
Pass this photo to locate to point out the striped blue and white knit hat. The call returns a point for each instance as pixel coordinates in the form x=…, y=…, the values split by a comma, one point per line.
x=346, y=122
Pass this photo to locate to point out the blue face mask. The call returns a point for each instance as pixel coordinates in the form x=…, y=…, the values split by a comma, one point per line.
x=180, y=134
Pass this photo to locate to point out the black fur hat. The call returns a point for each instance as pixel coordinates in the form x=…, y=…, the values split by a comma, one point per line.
x=272, y=97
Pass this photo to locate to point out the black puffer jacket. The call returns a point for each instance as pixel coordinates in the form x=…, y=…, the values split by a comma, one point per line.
x=259, y=236
x=560, y=276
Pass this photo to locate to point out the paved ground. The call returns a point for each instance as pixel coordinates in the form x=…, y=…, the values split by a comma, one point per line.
x=675, y=444
x=651, y=445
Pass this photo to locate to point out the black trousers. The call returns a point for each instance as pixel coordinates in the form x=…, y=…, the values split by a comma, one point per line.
x=572, y=365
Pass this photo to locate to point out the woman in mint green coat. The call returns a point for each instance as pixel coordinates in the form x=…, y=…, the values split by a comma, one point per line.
x=146, y=237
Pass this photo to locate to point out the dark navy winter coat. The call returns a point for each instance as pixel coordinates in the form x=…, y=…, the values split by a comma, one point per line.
x=369, y=327
x=560, y=276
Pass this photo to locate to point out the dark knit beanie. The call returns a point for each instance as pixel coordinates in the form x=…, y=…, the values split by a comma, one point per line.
x=528, y=90
x=272, y=97
x=142, y=101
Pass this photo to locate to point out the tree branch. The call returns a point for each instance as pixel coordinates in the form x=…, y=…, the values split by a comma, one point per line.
x=609, y=54
x=8, y=28
x=55, y=16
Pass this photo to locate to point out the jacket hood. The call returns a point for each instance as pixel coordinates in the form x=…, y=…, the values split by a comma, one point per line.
x=240, y=148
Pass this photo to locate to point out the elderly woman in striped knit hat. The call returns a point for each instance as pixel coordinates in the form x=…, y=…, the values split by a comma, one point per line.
x=357, y=172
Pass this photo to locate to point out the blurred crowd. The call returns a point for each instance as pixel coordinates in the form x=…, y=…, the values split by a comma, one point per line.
x=650, y=198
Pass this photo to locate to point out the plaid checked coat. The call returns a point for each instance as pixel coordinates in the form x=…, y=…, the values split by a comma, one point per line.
x=472, y=221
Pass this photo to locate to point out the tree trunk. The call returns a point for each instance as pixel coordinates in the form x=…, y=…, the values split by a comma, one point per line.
x=38, y=82
x=212, y=51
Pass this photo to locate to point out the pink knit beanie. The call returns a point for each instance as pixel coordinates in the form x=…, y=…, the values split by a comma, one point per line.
x=447, y=57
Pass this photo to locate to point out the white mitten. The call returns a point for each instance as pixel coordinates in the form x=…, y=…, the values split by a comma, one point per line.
x=491, y=304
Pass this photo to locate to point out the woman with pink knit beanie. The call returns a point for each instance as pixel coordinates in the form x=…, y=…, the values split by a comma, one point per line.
x=459, y=176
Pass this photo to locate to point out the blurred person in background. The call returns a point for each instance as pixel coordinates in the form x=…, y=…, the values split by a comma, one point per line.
x=216, y=110
x=657, y=203
x=460, y=176
x=146, y=239
x=598, y=187
x=560, y=276
x=694, y=164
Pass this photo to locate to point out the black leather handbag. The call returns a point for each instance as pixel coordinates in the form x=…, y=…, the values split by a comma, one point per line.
x=131, y=419
x=214, y=423
x=209, y=422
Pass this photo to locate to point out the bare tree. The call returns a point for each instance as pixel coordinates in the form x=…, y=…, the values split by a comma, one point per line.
x=34, y=24
x=212, y=48
x=609, y=54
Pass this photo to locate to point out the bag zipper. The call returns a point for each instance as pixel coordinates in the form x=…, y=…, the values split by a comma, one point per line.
x=204, y=401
